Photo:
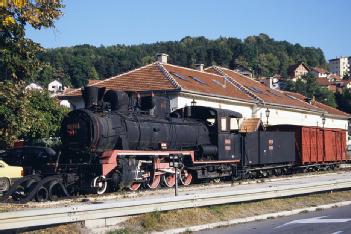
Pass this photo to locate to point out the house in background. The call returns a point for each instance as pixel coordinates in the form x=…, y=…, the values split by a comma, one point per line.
x=334, y=78
x=324, y=82
x=33, y=86
x=55, y=86
x=319, y=72
x=273, y=82
x=340, y=66
x=297, y=70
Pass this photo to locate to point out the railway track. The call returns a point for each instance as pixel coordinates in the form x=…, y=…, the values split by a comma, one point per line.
x=109, y=211
x=161, y=191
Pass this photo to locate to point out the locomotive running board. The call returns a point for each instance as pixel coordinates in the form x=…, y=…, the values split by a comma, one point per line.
x=109, y=158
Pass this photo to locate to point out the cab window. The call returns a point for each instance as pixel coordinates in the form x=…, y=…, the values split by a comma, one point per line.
x=224, y=126
x=210, y=121
x=234, y=124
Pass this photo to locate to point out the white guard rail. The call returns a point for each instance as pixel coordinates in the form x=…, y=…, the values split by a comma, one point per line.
x=110, y=209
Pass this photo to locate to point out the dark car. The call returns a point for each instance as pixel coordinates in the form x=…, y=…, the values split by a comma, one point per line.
x=34, y=159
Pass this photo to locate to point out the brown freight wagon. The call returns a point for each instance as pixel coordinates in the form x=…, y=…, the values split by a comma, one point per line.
x=316, y=145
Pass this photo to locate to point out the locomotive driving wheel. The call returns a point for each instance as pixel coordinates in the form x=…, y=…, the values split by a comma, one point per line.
x=134, y=186
x=185, y=177
x=100, y=184
x=154, y=182
x=169, y=180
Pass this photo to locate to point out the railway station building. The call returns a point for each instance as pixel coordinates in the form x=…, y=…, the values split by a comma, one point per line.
x=220, y=87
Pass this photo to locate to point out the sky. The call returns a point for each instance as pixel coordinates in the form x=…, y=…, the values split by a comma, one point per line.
x=319, y=23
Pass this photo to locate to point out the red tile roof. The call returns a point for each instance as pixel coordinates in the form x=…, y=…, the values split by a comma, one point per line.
x=91, y=82
x=157, y=76
x=334, y=76
x=320, y=70
x=146, y=78
x=265, y=94
x=323, y=81
x=216, y=81
x=328, y=109
x=203, y=82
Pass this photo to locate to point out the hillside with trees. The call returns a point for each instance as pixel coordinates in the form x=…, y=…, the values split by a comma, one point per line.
x=262, y=54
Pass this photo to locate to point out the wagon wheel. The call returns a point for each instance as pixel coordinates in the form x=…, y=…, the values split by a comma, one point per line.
x=185, y=177
x=169, y=180
x=154, y=182
x=134, y=186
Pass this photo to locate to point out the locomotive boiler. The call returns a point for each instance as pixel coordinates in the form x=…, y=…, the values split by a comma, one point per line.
x=107, y=123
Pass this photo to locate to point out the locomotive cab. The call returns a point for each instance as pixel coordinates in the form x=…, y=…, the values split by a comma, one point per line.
x=225, y=145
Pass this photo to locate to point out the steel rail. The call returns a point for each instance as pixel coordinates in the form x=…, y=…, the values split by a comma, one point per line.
x=112, y=209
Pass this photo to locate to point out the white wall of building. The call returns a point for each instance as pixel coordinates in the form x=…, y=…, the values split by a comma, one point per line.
x=55, y=86
x=339, y=66
x=277, y=115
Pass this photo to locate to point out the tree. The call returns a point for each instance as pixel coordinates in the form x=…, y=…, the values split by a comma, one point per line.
x=343, y=100
x=307, y=85
x=18, y=55
x=26, y=114
x=262, y=54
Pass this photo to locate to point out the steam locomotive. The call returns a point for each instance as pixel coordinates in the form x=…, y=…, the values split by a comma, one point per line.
x=124, y=140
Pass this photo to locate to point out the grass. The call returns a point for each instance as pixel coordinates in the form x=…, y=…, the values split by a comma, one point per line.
x=160, y=221
x=62, y=229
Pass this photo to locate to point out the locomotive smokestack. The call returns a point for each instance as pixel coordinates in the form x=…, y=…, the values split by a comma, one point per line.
x=90, y=96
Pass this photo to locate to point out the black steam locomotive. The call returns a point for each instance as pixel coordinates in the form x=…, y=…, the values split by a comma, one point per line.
x=124, y=140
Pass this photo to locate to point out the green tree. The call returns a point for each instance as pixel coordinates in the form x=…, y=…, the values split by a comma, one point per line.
x=309, y=87
x=262, y=54
x=18, y=55
x=343, y=100
x=26, y=114
x=46, y=115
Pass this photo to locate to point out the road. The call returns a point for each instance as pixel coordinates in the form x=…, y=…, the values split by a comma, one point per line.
x=329, y=221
